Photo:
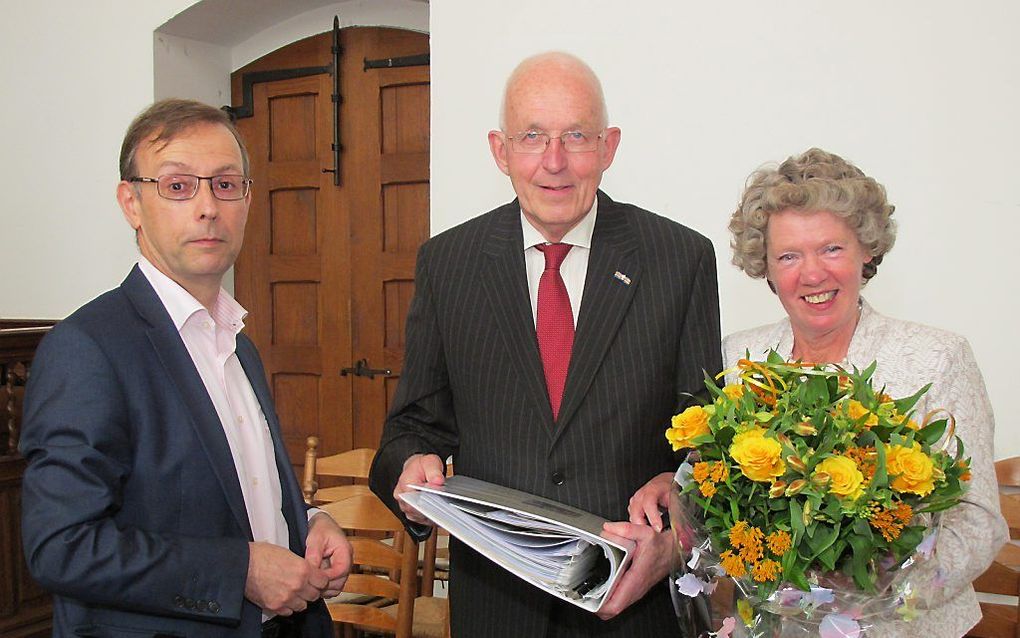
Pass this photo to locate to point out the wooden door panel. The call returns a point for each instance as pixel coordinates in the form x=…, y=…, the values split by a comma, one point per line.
x=392, y=194
x=327, y=272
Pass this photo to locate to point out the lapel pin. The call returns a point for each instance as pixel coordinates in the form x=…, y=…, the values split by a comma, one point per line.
x=622, y=277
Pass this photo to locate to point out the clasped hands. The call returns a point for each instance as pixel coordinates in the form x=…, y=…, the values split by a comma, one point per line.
x=283, y=583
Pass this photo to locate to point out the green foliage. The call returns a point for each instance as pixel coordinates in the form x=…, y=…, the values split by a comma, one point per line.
x=819, y=454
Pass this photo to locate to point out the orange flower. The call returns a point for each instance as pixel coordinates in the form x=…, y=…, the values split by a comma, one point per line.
x=719, y=472
x=732, y=564
x=965, y=464
x=865, y=458
x=708, y=489
x=890, y=521
x=738, y=533
x=779, y=542
x=767, y=569
x=700, y=472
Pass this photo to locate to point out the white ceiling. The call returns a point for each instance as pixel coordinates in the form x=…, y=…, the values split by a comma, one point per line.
x=230, y=22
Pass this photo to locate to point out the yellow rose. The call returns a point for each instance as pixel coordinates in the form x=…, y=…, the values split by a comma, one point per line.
x=759, y=457
x=689, y=424
x=844, y=478
x=734, y=391
x=901, y=419
x=855, y=410
x=911, y=469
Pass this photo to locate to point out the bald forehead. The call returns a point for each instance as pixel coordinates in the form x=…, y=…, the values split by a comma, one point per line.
x=553, y=72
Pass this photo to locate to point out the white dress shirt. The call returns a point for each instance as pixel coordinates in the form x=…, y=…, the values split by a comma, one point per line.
x=211, y=338
x=574, y=268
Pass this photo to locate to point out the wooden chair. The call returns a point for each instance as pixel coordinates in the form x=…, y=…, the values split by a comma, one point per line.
x=353, y=464
x=356, y=464
x=1002, y=578
x=410, y=615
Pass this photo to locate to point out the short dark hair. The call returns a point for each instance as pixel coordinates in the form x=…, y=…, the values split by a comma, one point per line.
x=165, y=120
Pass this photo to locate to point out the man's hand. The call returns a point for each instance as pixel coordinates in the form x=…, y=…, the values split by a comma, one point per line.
x=281, y=582
x=326, y=547
x=646, y=503
x=649, y=564
x=418, y=469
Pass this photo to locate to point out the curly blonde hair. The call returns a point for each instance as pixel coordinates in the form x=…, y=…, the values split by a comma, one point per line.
x=815, y=180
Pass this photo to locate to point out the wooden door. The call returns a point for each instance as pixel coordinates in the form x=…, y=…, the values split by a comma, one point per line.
x=327, y=271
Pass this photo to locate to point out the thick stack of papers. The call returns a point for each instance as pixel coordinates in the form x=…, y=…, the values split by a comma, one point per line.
x=553, y=546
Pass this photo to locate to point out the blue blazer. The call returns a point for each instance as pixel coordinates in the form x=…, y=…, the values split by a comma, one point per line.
x=132, y=510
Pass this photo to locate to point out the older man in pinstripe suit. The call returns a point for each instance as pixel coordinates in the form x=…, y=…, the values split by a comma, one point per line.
x=553, y=375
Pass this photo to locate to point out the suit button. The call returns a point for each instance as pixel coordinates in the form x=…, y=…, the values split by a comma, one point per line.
x=178, y=601
x=201, y=605
x=189, y=603
x=557, y=478
x=214, y=607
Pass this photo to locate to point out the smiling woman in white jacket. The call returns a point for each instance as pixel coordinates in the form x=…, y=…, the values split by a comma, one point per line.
x=816, y=228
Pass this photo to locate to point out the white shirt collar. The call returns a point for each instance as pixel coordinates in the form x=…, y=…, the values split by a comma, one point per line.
x=579, y=235
x=181, y=305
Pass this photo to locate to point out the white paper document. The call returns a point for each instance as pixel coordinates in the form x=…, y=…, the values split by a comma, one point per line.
x=553, y=546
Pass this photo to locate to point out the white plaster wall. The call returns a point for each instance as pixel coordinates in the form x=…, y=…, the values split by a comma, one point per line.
x=75, y=73
x=923, y=95
x=184, y=67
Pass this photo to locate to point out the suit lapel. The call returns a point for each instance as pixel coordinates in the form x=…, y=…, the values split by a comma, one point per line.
x=614, y=272
x=505, y=281
x=293, y=506
x=180, y=369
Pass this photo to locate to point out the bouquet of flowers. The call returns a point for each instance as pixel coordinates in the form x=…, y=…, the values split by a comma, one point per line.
x=816, y=493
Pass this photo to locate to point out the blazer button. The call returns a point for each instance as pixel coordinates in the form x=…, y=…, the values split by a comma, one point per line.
x=557, y=478
x=178, y=601
x=189, y=603
x=201, y=605
x=214, y=607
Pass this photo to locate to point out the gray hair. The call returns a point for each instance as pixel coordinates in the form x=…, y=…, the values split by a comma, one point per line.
x=813, y=181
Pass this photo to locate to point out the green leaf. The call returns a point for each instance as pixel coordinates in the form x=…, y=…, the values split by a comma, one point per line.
x=823, y=537
x=797, y=518
x=859, y=559
x=933, y=432
x=798, y=579
x=906, y=404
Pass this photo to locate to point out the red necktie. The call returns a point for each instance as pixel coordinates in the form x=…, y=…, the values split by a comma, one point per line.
x=555, y=324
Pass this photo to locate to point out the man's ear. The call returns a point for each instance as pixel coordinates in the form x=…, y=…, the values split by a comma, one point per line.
x=500, y=150
x=130, y=203
x=611, y=141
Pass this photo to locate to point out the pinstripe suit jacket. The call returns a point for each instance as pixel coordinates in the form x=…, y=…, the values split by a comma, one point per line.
x=473, y=387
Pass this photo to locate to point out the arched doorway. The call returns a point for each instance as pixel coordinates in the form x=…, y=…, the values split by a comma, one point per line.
x=327, y=269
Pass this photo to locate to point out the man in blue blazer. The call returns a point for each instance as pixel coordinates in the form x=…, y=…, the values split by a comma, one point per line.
x=158, y=498
x=573, y=408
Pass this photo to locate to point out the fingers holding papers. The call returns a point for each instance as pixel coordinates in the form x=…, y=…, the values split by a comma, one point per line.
x=418, y=469
x=650, y=563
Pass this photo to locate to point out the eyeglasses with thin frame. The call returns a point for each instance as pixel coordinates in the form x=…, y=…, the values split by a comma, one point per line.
x=571, y=141
x=181, y=187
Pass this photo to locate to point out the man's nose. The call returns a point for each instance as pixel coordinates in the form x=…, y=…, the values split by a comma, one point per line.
x=554, y=158
x=206, y=204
